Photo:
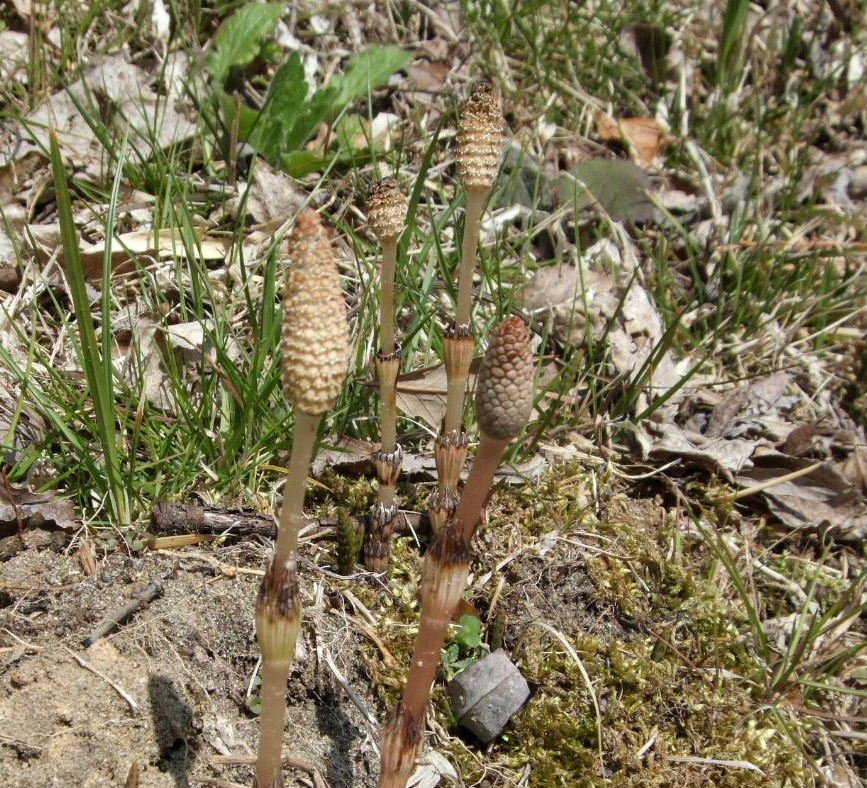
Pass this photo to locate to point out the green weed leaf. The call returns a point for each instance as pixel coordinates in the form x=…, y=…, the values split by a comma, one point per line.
x=470, y=633
x=288, y=121
x=368, y=71
x=285, y=96
x=241, y=36
x=618, y=186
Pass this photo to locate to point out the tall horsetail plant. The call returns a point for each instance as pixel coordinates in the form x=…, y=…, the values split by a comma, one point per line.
x=504, y=400
x=387, y=207
x=315, y=358
x=480, y=143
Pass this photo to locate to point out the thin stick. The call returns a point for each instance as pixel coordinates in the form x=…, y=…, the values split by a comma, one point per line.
x=116, y=687
x=770, y=483
x=153, y=589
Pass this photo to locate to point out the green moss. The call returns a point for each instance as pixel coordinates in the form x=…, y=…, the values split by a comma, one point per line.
x=673, y=669
x=550, y=719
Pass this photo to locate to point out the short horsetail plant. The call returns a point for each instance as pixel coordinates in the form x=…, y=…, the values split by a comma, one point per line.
x=387, y=207
x=480, y=142
x=504, y=399
x=315, y=356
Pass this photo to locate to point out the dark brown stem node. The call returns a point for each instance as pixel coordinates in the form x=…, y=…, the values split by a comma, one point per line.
x=377, y=549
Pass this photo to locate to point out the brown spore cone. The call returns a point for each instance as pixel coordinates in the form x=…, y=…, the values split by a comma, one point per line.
x=315, y=331
x=504, y=392
x=480, y=138
x=386, y=208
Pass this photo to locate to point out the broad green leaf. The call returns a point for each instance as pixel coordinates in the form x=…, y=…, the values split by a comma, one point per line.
x=247, y=117
x=619, y=186
x=306, y=119
x=470, y=633
x=302, y=162
x=285, y=97
x=288, y=121
x=239, y=39
x=368, y=71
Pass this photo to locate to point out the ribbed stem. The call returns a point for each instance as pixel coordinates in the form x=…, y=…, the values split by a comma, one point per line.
x=386, y=495
x=478, y=486
x=386, y=305
x=275, y=673
x=445, y=578
x=387, y=462
x=291, y=513
x=455, y=389
x=469, y=250
x=426, y=655
x=388, y=395
x=269, y=773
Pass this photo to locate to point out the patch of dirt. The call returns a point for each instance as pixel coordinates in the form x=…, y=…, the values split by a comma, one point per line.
x=186, y=661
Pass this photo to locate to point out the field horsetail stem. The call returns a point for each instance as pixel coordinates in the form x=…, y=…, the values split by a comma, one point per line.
x=504, y=400
x=315, y=356
x=387, y=206
x=480, y=143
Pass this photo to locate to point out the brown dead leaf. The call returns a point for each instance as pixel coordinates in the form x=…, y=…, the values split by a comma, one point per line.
x=645, y=136
x=820, y=500
x=666, y=442
x=143, y=344
x=421, y=394
x=272, y=195
x=162, y=245
x=428, y=74
x=20, y=509
x=87, y=557
x=575, y=298
x=124, y=98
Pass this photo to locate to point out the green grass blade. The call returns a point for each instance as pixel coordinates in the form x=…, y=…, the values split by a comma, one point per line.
x=94, y=363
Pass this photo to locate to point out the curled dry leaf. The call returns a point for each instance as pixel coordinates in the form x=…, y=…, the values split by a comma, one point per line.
x=822, y=499
x=153, y=119
x=165, y=244
x=143, y=345
x=421, y=394
x=645, y=136
x=573, y=299
x=751, y=438
x=20, y=509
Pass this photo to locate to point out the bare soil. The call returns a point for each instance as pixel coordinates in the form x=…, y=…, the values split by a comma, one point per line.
x=185, y=661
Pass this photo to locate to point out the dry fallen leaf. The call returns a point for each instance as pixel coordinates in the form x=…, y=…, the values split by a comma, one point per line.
x=142, y=346
x=665, y=442
x=819, y=500
x=126, y=99
x=272, y=195
x=421, y=394
x=575, y=298
x=163, y=244
x=645, y=136
x=428, y=74
x=20, y=509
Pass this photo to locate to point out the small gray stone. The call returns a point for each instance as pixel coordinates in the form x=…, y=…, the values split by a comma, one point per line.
x=486, y=695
